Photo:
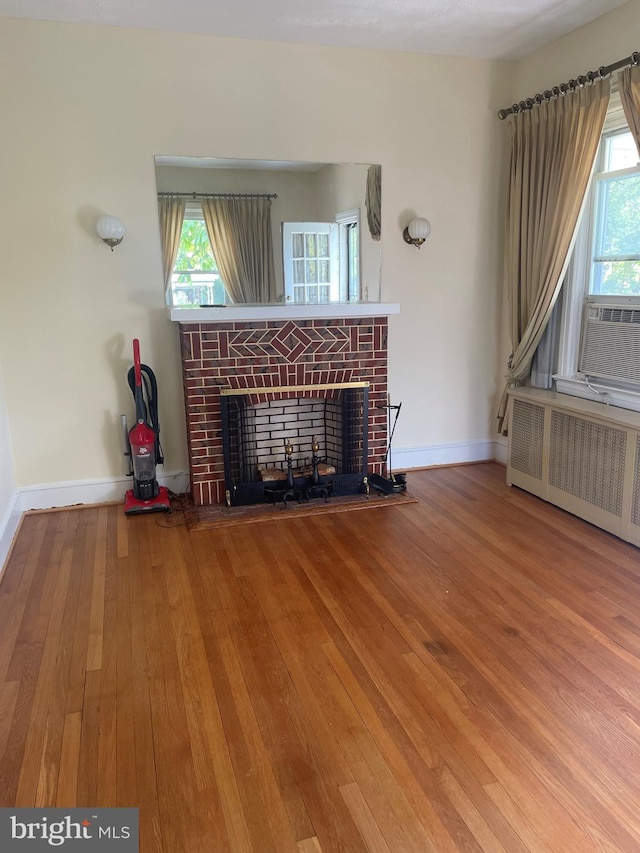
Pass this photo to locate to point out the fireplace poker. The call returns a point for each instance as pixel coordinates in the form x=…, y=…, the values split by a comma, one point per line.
x=395, y=482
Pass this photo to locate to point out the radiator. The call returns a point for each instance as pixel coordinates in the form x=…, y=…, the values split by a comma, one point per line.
x=579, y=455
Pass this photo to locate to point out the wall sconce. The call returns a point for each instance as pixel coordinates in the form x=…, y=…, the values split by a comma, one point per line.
x=417, y=231
x=110, y=230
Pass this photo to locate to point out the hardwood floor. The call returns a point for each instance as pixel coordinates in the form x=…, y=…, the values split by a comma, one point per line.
x=458, y=674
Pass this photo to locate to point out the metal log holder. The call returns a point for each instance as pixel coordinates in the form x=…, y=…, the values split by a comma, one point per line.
x=318, y=488
x=312, y=487
x=289, y=491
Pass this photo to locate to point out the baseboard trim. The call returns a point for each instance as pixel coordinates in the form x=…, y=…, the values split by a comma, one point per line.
x=9, y=525
x=457, y=453
x=73, y=493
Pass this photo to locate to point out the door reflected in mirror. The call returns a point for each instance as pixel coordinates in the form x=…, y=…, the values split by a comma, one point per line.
x=249, y=231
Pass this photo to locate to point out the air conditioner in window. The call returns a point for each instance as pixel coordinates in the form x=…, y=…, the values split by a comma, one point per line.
x=611, y=341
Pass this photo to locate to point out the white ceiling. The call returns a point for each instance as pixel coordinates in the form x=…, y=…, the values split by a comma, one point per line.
x=496, y=29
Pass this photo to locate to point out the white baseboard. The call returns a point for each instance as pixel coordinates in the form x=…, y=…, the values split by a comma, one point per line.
x=8, y=525
x=447, y=454
x=72, y=493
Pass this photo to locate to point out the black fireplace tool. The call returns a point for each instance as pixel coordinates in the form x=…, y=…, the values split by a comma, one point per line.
x=394, y=482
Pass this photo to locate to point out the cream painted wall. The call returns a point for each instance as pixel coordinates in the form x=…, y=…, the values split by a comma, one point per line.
x=602, y=42
x=7, y=474
x=84, y=111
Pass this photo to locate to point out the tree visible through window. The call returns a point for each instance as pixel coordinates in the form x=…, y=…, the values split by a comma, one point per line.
x=196, y=279
x=616, y=236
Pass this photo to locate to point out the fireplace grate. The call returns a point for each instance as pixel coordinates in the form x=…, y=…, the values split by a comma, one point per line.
x=255, y=434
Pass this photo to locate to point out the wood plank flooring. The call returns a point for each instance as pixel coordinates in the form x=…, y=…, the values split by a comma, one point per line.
x=457, y=674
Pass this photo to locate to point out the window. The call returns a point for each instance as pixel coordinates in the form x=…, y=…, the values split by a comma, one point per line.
x=615, y=256
x=196, y=279
x=600, y=328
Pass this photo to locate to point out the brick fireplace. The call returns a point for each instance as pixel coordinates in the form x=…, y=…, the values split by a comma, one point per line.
x=275, y=354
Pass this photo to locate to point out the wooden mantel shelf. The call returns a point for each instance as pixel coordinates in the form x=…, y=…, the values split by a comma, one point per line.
x=283, y=311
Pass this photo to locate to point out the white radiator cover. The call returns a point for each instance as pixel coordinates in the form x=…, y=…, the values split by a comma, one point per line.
x=579, y=455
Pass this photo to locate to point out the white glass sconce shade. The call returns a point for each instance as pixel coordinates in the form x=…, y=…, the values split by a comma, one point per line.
x=417, y=231
x=110, y=230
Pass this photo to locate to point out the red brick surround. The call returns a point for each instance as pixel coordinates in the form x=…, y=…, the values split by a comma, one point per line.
x=270, y=354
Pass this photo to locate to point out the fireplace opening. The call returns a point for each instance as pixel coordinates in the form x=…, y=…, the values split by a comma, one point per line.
x=257, y=426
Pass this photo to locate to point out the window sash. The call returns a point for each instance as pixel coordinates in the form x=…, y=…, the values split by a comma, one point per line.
x=598, y=203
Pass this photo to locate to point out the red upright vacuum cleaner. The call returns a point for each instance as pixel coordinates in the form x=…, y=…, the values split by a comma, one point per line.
x=142, y=442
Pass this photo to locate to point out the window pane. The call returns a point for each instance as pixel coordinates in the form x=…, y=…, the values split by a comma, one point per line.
x=323, y=271
x=618, y=218
x=298, y=294
x=312, y=272
x=324, y=293
x=621, y=152
x=354, y=270
x=310, y=245
x=323, y=245
x=616, y=278
x=197, y=289
x=194, y=252
x=298, y=272
x=297, y=242
x=312, y=294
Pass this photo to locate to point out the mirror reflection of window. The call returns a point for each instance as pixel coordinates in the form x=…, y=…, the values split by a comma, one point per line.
x=349, y=258
x=196, y=279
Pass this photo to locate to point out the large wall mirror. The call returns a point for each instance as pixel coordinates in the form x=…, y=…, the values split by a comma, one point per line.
x=263, y=231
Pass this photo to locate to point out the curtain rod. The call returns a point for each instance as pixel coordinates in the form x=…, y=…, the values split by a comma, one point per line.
x=589, y=77
x=217, y=195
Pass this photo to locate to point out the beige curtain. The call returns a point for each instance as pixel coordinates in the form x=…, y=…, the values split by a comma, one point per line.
x=553, y=148
x=373, y=200
x=241, y=238
x=629, y=85
x=171, y=211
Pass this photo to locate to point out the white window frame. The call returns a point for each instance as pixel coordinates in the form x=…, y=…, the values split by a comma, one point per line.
x=569, y=380
x=345, y=219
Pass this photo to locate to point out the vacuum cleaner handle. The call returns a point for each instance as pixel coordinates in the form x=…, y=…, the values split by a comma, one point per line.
x=138, y=396
x=136, y=362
